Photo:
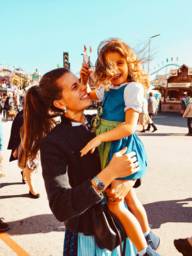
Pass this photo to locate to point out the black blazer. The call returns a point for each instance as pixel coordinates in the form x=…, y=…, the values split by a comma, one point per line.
x=67, y=175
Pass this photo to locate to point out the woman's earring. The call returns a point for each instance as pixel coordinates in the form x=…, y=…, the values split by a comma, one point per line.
x=64, y=109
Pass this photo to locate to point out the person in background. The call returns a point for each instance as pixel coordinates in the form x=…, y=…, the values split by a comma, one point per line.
x=184, y=101
x=144, y=118
x=184, y=246
x=14, y=145
x=188, y=115
x=152, y=109
x=4, y=107
x=1, y=150
x=3, y=225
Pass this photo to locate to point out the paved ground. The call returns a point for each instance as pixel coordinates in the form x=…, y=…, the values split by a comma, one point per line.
x=166, y=193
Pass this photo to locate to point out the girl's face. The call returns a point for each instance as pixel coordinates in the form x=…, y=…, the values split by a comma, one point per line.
x=74, y=95
x=119, y=62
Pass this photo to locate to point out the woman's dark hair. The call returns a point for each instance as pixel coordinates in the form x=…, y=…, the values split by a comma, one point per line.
x=39, y=111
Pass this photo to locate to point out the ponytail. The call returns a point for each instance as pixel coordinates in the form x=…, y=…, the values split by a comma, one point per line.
x=39, y=111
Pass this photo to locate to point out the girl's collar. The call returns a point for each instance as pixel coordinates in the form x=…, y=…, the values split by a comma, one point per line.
x=74, y=123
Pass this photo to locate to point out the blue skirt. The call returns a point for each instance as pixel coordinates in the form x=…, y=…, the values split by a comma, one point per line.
x=133, y=143
x=77, y=244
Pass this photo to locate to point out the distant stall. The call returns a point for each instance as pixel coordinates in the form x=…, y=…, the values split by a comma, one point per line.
x=179, y=81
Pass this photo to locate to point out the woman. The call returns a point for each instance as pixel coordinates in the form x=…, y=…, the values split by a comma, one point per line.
x=74, y=184
x=14, y=144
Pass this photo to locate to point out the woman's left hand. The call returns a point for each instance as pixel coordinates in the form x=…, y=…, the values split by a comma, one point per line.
x=119, y=189
x=91, y=145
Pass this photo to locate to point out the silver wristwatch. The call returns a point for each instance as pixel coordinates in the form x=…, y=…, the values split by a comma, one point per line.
x=99, y=185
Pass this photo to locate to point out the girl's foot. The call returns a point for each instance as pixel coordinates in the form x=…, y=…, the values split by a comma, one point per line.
x=150, y=252
x=152, y=240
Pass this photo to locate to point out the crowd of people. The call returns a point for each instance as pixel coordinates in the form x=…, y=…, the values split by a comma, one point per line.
x=91, y=175
x=10, y=104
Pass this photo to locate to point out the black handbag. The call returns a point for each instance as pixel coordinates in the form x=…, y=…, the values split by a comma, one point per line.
x=107, y=230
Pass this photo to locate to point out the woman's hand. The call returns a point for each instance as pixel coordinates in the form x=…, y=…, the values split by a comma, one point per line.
x=123, y=164
x=119, y=189
x=91, y=145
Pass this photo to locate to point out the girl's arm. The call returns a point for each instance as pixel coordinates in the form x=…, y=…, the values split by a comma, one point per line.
x=84, y=74
x=123, y=130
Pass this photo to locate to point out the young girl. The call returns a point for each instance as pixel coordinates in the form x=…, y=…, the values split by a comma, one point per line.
x=118, y=67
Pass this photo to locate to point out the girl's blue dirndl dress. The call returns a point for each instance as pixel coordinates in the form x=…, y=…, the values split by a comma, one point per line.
x=115, y=102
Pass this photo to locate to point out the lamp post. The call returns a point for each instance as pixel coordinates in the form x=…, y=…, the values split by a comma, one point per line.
x=149, y=50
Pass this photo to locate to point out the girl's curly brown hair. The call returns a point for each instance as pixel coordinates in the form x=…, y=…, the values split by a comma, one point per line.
x=103, y=70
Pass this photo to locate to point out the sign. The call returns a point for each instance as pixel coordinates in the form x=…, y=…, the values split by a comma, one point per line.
x=161, y=80
x=179, y=85
x=173, y=72
x=189, y=71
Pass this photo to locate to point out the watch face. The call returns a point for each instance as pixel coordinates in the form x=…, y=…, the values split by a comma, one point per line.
x=100, y=186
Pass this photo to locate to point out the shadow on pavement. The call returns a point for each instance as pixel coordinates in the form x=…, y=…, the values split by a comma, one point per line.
x=170, y=119
x=44, y=223
x=14, y=196
x=156, y=134
x=169, y=211
x=10, y=183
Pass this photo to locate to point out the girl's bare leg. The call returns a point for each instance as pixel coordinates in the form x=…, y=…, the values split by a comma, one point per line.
x=137, y=209
x=130, y=224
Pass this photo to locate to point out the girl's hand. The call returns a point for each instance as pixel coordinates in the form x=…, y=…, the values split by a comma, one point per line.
x=85, y=73
x=91, y=145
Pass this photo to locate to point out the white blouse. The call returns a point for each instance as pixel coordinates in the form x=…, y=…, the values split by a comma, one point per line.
x=133, y=95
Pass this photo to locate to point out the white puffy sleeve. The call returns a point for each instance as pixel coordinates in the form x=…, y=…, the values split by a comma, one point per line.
x=134, y=96
x=100, y=93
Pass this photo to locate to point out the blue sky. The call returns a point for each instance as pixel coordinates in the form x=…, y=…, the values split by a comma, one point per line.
x=35, y=33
